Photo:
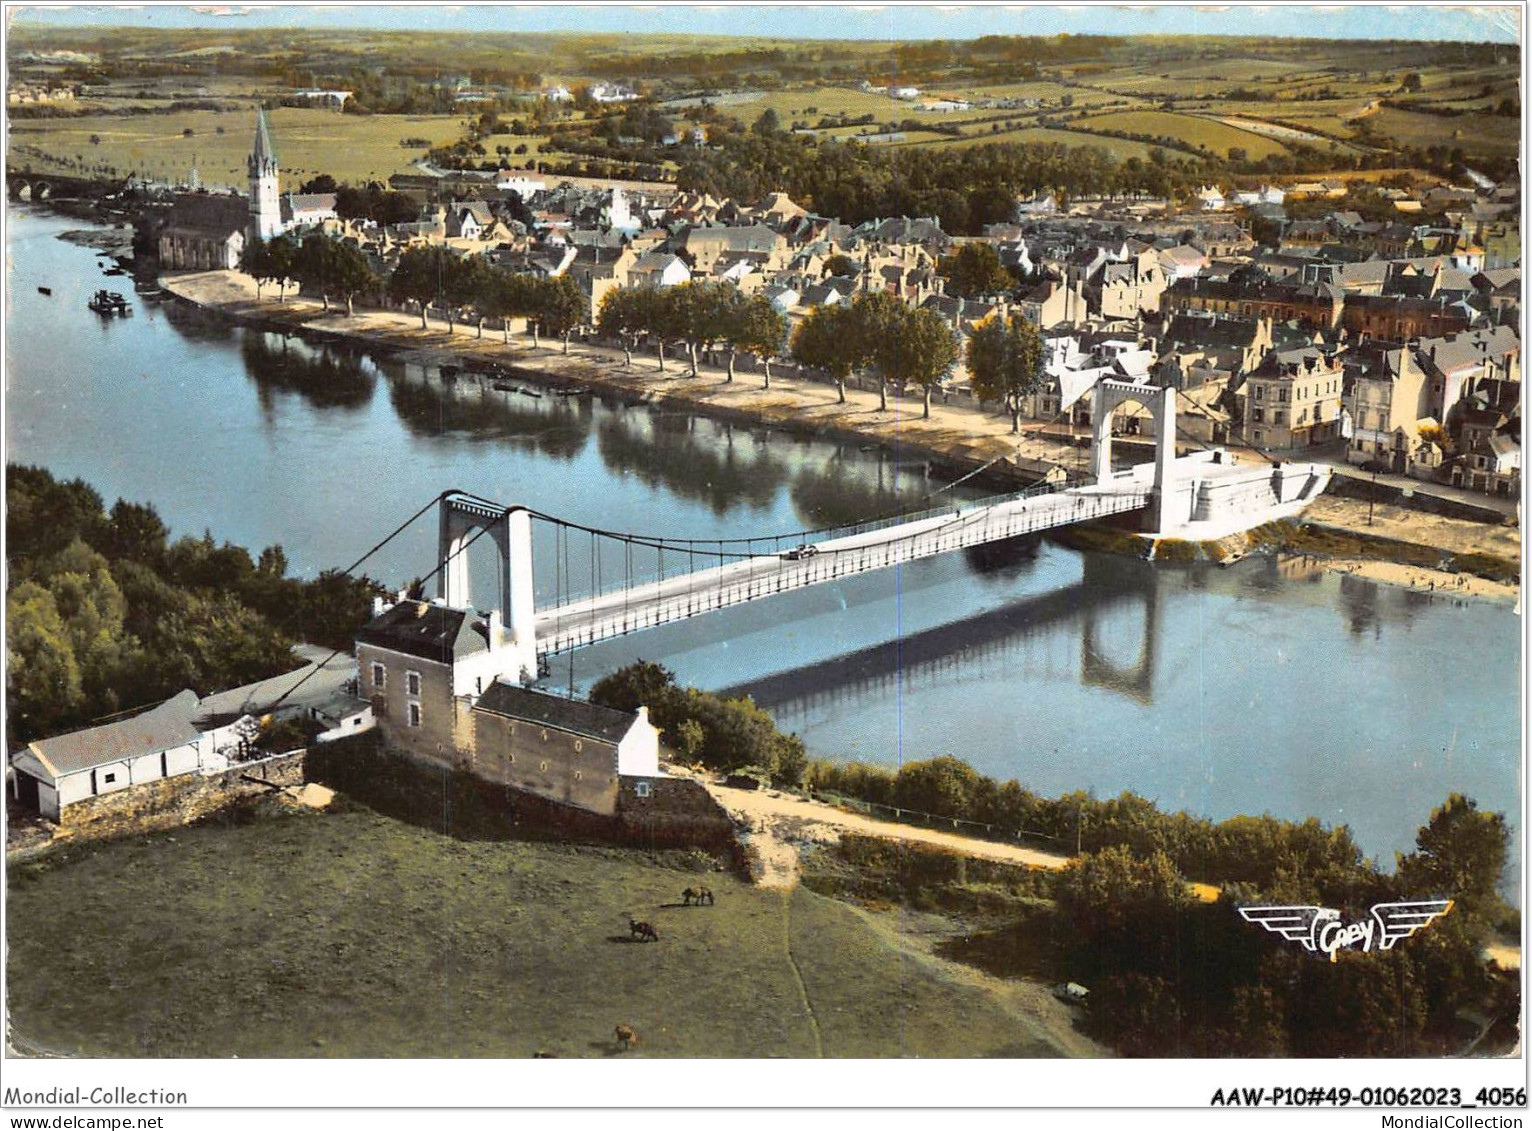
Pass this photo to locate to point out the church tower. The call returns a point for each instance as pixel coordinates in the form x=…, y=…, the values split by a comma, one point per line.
x=265, y=203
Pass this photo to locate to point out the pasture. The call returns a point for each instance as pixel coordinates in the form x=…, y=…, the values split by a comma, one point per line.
x=347, y=146
x=1188, y=128
x=346, y=933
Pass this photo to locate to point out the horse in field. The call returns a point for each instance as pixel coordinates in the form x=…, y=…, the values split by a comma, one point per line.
x=626, y=1037
x=698, y=895
x=643, y=932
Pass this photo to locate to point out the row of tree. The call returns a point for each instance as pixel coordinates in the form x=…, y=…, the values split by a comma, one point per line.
x=876, y=332
x=702, y=314
x=424, y=275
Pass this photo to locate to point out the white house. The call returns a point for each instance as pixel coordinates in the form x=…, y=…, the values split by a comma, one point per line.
x=162, y=742
x=659, y=269
x=523, y=183
x=905, y=93
x=1211, y=198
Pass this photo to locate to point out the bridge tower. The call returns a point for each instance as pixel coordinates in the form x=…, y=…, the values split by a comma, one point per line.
x=1162, y=403
x=462, y=518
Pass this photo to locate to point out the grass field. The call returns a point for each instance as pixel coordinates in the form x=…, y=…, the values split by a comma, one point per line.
x=1481, y=133
x=349, y=147
x=1188, y=128
x=350, y=934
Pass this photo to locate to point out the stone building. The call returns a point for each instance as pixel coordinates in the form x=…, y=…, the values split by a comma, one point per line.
x=1293, y=399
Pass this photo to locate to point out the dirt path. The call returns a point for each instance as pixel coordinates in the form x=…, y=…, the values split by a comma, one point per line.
x=776, y=825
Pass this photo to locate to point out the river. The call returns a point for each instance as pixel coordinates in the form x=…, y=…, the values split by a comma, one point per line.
x=1248, y=689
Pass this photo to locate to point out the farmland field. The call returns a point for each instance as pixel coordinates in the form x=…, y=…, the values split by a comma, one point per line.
x=349, y=147
x=347, y=933
x=1187, y=128
x=1485, y=133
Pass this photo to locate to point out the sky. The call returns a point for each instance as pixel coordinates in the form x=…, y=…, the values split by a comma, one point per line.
x=1481, y=22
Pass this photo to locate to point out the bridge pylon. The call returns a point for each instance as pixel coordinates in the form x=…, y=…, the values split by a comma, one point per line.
x=1107, y=396
x=462, y=518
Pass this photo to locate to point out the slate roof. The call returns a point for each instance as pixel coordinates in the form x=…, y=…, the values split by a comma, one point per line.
x=315, y=682
x=573, y=715
x=165, y=727
x=430, y=631
x=209, y=213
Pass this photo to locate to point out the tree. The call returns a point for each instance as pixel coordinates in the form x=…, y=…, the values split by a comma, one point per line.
x=136, y=532
x=768, y=124
x=640, y=684
x=504, y=295
x=42, y=674
x=625, y=314
x=973, y=270
x=922, y=349
x=842, y=265
x=281, y=263
x=1460, y=854
x=876, y=318
x=352, y=273
x=561, y=306
x=1411, y=83
x=253, y=262
x=1005, y=360
x=826, y=340
x=418, y=278
x=313, y=266
x=320, y=184
x=755, y=327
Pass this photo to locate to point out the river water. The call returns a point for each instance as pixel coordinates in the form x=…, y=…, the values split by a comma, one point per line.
x=1255, y=688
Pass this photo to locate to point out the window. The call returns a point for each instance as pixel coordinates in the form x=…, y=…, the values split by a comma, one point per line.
x=579, y=745
x=107, y=779
x=379, y=676
x=543, y=766
x=577, y=775
x=1260, y=416
x=641, y=789
x=545, y=735
x=412, y=683
x=413, y=714
x=1260, y=392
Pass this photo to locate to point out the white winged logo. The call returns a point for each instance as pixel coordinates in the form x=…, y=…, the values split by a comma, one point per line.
x=1320, y=931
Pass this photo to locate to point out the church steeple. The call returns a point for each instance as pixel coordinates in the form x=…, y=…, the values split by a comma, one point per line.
x=265, y=202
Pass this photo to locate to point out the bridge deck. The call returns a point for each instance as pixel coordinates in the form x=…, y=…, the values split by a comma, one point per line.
x=862, y=550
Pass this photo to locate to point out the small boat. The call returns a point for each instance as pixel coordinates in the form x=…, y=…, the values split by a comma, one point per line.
x=45, y=290
x=504, y=387
x=114, y=271
x=531, y=392
x=109, y=302
x=572, y=391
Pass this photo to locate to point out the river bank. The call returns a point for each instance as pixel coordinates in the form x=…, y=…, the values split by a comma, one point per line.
x=1399, y=546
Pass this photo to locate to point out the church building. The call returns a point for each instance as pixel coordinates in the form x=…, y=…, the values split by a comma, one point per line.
x=209, y=231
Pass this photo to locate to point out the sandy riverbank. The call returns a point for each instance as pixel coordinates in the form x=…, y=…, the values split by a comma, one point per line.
x=1438, y=584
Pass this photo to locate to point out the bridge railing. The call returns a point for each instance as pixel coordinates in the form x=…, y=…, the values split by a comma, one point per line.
x=724, y=587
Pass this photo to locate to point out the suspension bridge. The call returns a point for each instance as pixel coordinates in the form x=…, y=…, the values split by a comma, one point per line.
x=609, y=583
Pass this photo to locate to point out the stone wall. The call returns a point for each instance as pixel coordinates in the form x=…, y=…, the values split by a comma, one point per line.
x=1420, y=499
x=677, y=811
x=169, y=803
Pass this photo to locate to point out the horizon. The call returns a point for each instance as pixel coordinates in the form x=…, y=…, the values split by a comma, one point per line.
x=1484, y=24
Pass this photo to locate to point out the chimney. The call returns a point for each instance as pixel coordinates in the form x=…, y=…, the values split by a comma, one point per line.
x=378, y=607
x=643, y=715
x=495, y=629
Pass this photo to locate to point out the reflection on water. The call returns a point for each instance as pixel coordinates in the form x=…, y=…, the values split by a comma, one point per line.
x=324, y=376
x=1263, y=686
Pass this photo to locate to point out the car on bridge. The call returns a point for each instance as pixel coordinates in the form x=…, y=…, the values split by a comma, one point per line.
x=798, y=553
